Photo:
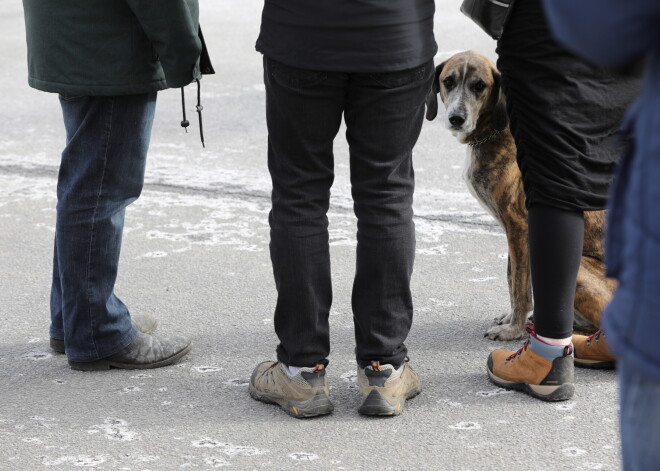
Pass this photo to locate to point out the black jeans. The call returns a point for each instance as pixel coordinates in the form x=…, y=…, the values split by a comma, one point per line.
x=383, y=114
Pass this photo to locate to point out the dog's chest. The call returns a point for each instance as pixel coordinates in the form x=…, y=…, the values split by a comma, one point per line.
x=477, y=177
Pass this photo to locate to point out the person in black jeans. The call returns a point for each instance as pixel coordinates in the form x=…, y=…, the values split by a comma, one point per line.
x=373, y=65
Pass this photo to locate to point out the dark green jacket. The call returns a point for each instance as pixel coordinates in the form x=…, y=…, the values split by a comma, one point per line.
x=111, y=47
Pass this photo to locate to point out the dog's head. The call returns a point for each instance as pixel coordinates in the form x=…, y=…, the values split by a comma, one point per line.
x=469, y=87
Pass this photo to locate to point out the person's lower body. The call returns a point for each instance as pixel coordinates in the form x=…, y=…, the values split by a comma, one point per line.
x=566, y=155
x=383, y=114
x=543, y=367
x=101, y=173
x=639, y=397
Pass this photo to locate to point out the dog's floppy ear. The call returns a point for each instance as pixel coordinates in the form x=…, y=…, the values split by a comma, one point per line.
x=432, y=95
x=500, y=118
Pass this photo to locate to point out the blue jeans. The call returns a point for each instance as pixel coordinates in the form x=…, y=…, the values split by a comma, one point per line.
x=640, y=419
x=101, y=172
x=383, y=114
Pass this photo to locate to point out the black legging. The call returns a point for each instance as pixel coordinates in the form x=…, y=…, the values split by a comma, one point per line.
x=555, y=249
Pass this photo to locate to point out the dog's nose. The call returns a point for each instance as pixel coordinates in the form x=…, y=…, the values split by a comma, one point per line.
x=456, y=121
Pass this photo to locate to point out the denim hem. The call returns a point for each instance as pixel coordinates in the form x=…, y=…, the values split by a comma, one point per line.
x=125, y=341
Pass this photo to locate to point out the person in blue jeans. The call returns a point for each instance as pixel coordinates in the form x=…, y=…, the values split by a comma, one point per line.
x=370, y=64
x=622, y=34
x=107, y=63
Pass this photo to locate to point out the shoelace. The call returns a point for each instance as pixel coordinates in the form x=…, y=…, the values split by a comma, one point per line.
x=596, y=336
x=568, y=349
x=519, y=352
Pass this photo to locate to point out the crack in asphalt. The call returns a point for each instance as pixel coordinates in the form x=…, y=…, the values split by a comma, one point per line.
x=237, y=190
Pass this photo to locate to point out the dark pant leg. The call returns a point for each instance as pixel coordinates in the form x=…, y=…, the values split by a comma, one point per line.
x=556, y=238
x=303, y=112
x=639, y=416
x=384, y=115
x=101, y=172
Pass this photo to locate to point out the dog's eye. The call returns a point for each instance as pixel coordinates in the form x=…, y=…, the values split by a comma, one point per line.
x=448, y=83
x=479, y=87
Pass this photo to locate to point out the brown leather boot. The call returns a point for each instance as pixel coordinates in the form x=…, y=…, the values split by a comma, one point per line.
x=592, y=352
x=533, y=374
x=305, y=394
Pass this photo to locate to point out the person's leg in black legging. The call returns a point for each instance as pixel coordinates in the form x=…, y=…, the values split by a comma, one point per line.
x=555, y=248
x=543, y=367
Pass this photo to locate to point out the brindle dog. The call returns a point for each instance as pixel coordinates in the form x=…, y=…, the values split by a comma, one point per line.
x=469, y=86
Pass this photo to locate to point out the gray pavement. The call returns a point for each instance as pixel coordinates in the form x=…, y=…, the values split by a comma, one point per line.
x=195, y=254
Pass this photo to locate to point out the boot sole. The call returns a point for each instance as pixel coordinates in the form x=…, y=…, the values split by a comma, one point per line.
x=318, y=405
x=102, y=365
x=562, y=392
x=376, y=404
x=594, y=364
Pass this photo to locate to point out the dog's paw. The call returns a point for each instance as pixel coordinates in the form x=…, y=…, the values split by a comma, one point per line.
x=504, y=332
x=503, y=319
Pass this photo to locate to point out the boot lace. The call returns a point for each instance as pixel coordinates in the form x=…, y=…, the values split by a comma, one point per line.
x=597, y=335
x=519, y=352
x=529, y=327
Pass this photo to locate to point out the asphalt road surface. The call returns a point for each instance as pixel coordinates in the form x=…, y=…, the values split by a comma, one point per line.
x=195, y=254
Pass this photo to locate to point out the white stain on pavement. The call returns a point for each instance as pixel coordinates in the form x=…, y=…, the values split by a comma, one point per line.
x=81, y=461
x=153, y=255
x=590, y=465
x=437, y=250
x=349, y=377
x=115, y=429
x=36, y=356
x=229, y=449
x=206, y=369
x=442, y=302
x=481, y=280
x=237, y=382
x=302, y=456
x=494, y=392
x=573, y=451
x=565, y=407
x=466, y=426
x=141, y=376
x=216, y=462
x=449, y=402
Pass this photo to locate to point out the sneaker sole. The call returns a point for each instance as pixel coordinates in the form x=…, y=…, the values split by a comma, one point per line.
x=376, y=404
x=102, y=365
x=318, y=405
x=547, y=393
x=595, y=364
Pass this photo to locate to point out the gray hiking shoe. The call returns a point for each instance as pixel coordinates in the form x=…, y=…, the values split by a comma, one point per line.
x=385, y=389
x=304, y=394
x=146, y=351
x=145, y=323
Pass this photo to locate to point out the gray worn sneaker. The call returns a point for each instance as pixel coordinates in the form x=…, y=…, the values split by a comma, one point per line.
x=145, y=323
x=146, y=351
x=385, y=389
x=304, y=394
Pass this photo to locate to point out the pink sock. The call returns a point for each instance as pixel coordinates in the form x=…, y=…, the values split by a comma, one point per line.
x=555, y=342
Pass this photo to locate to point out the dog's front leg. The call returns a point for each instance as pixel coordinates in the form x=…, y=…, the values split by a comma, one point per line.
x=520, y=289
